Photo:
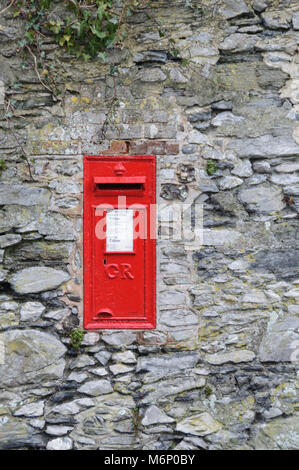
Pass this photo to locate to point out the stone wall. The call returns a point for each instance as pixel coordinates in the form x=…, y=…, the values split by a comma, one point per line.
x=219, y=371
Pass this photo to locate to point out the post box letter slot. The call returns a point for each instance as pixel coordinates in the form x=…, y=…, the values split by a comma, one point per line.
x=120, y=185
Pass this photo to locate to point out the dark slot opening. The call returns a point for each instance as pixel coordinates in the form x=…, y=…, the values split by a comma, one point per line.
x=120, y=186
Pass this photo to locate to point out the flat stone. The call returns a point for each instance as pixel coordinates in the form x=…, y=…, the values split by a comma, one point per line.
x=31, y=311
x=279, y=19
x=119, y=338
x=103, y=357
x=287, y=179
x=72, y=408
x=23, y=195
x=9, y=239
x=238, y=42
x=287, y=167
x=200, y=424
x=220, y=237
x=127, y=357
x=32, y=410
x=96, y=387
x=279, y=434
x=242, y=168
x=78, y=377
x=120, y=369
x=16, y=434
x=266, y=146
x=82, y=361
x=30, y=355
x=153, y=415
x=151, y=75
x=235, y=356
x=295, y=20
x=280, y=344
x=229, y=182
x=57, y=430
x=233, y=8
x=178, y=318
x=172, y=297
x=55, y=227
x=166, y=363
x=262, y=198
x=61, y=443
x=37, y=279
x=283, y=263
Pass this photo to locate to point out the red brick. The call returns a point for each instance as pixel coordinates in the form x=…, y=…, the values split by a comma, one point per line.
x=117, y=147
x=172, y=148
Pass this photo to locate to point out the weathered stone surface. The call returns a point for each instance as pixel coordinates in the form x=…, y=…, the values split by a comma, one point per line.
x=283, y=263
x=277, y=19
x=30, y=356
x=199, y=425
x=238, y=43
x=171, y=362
x=229, y=182
x=232, y=8
x=31, y=311
x=9, y=239
x=96, y=387
x=61, y=443
x=153, y=415
x=264, y=147
x=280, y=342
x=16, y=434
x=31, y=410
x=279, y=434
x=262, y=198
x=22, y=195
x=37, y=279
x=220, y=237
x=236, y=357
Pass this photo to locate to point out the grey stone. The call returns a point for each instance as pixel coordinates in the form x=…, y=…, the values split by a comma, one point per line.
x=31, y=356
x=295, y=20
x=280, y=342
x=103, y=357
x=9, y=239
x=281, y=262
x=263, y=198
x=242, y=169
x=220, y=237
x=72, y=408
x=236, y=357
x=276, y=19
x=178, y=318
x=153, y=415
x=37, y=279
x=238, y=42
x=57, y=314
x=78, y=377
x=31, y=311
x=172, y=297
x=287, y=179
x=57, y=430
x=229, y=182
x=262, y=166
x=120, y=338
x=169, y=387
x=82, y=361
x=120, y=369
x=127, y=357
x=61, y=443
x=151, y=75
x=266, y=146
x=287, y=167
x=261, y=5
x=31, y=410
x=167, y=363
x=279, y=434
x=233, y=8
x=16, y=434
x=22, y=195
x=200, y=424
x=55, y=227
x=96, y=387
x=292, y=190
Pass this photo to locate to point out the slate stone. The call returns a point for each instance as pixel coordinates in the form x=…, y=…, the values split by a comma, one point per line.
x=233, y=8
x=9, y=239
x=16, y=434
x=281, y=342
x=262, y=198
x=200, y=424
x=153, y=415
x=23, y=195
x=281, y=262
x=236, y=357
x=37, y=279
x=266, y=146
x=30, y=356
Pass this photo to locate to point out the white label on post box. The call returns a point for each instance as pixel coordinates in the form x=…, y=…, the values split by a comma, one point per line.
x=119, y=230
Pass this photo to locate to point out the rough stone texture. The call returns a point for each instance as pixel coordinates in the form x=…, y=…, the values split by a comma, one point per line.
x=33, y=356
x=218, y=85
x=37, y=279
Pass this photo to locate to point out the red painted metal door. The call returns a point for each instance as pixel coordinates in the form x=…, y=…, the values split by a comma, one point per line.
x=119, y=244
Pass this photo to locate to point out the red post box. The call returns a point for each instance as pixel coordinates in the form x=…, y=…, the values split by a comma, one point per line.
x=119, y=242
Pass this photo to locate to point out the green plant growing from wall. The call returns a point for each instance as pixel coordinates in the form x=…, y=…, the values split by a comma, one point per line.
x=76, y=337
x=211, y=167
